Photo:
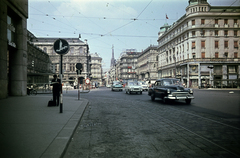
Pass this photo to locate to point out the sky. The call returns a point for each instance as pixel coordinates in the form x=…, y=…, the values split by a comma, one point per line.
x=107, y=24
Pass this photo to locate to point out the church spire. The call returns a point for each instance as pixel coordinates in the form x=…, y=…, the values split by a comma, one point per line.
x=113, y=59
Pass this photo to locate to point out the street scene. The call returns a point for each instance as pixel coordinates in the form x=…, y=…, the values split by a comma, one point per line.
x=116, y=124
x=119, y=79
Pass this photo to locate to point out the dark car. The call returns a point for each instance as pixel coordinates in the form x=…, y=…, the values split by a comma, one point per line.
x=170, y=89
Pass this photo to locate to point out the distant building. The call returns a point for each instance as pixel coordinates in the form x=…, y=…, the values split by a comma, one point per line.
x=78, y=53
x=147, y=64
x=96, y=68
x=202, y=47
x=127, y=65
x=39, y=65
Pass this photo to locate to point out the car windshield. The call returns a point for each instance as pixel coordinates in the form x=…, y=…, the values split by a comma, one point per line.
x=132, y=83
x=116, y=82
x=141, y=83
x=171, y=82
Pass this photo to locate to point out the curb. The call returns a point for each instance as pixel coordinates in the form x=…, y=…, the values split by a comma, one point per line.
x=59, y=145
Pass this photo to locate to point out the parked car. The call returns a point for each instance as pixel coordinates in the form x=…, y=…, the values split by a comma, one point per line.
x=133, y=87
x=170, y=89
x=144, y=85
x=117, y=85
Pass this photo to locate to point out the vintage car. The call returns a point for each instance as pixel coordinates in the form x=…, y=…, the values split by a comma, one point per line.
x=144, y=85
x=133, y=87
x=117, y=85
x=170, y=89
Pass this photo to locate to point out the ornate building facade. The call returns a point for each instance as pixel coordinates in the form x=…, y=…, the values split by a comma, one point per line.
x=202, y=47
x=78, y=53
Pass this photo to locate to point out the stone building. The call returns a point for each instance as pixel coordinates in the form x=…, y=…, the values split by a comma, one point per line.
x=202, y=47
x=127, y=65
x=39, y=65
x=96, y=69
x=13, y=43
x=78, y=53
x=147, y=64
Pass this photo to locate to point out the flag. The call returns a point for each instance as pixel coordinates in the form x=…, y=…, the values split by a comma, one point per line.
x=166, y=16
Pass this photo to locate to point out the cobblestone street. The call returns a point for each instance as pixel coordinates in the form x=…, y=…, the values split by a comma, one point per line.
x=116, y=124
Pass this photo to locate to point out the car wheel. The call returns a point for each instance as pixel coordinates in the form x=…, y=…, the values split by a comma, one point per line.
x=165, y=101
x=188, y=101
x=152, y=97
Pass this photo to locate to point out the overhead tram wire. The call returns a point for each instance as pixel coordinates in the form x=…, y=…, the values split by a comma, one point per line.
x=48, y=15
x=61, y=14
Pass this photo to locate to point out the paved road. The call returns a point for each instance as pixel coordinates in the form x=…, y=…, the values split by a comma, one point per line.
x=116, y=124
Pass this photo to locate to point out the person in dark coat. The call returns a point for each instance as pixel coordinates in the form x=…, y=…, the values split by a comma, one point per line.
x=56, y=83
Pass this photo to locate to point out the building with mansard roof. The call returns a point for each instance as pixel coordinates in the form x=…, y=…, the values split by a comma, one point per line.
x=202, y=47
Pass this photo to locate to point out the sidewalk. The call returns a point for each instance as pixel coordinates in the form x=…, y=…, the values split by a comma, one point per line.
x=30, y=129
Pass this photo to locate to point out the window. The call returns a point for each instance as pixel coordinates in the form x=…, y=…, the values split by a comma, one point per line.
x=202, y=33
x=193, y=22
x=216, y=21
x=225, y=44
x=216, y=55
x=235, y=54
x=203, y=44
x=203, y=55
x=193, y=55
x=226, y=54
x=216, y=44
x=235, y=21
x=232, y=69
x=216, y=32
x=235, y=32
x=193, y=45
x=193, y=33
x=202, y=21
x=236, y=44
x=225, y=21
x=225, y=32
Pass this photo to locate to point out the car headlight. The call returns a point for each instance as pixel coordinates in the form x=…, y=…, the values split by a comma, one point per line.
x=168, y=91
x=191, y=91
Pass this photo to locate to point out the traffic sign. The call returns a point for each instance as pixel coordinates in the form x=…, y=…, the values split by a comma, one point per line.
x=87, y=81
x=61, y=46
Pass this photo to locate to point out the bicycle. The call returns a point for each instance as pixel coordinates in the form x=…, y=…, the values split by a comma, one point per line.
x=31, y=91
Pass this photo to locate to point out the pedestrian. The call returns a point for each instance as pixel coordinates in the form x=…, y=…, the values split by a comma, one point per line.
x=56, y=83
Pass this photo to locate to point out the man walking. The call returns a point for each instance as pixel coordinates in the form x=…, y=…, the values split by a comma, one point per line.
x=57, y=87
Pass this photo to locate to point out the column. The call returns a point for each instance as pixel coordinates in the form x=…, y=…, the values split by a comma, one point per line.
x=18, y=70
